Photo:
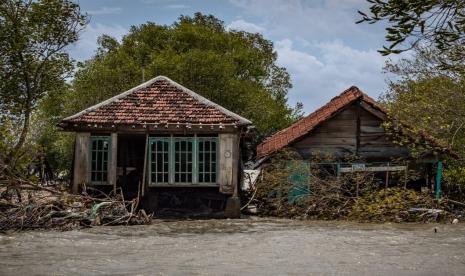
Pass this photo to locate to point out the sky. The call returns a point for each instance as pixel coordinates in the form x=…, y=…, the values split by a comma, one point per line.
x=317, y=41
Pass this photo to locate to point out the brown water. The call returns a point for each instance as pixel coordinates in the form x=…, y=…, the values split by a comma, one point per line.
x=232, y=247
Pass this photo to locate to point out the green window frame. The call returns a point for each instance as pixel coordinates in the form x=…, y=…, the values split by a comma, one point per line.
x=99, y=159
x=159, y=160
x=183, y=160
x=207, y=156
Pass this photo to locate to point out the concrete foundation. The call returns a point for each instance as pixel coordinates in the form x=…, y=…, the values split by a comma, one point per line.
x=233, y=207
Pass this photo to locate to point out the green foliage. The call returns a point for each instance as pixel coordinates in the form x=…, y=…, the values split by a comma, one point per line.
x=234, y=69
x=20, y=165
x=389, y=205
x=430, y=101
x=33, y=61
x=54, y=143
x=436, y=23
x=454, y=180
x=418, y=103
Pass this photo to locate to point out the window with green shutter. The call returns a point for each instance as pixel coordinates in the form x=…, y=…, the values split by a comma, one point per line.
x=159, y=156
x=100, y=156
x=183, y=163
x=207, y=159
x=183, y=160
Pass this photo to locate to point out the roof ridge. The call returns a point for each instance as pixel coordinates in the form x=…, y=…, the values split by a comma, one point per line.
x=146, y=84
x=316, y=111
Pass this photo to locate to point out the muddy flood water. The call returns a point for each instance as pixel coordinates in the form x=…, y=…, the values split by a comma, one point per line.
x=239, y=247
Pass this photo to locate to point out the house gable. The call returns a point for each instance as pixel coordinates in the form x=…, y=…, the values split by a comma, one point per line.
x=371, y=139
x=339, y=137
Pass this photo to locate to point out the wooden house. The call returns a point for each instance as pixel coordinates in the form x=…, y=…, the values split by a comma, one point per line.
x=159, y=136
x=351, y=124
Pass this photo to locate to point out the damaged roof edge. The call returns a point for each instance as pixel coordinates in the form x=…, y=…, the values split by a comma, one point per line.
x=242, y=120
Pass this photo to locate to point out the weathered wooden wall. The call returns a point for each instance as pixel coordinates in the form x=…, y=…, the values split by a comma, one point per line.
x=374, y=141
x=228, y=162
x=353, y=131
x=81, y=160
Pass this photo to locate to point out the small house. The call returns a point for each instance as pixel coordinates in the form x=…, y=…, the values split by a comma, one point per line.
x=351, y=124
x=158, y=138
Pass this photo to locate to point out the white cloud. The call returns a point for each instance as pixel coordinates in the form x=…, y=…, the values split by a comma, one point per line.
x=87, y=44
x=298, y=62
x=176, y=6
x=105, y=10
x=163, y=4
x=320, y=45
x=317, y=79
x=242, y=25
x=314, y=20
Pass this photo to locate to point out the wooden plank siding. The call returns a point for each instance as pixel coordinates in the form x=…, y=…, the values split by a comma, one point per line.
x=345, y=134
x=229, y=163
x=81, y=160
x=374, y=141
x=336, y=136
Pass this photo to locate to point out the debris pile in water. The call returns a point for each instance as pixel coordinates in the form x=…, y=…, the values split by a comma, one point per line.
x=355, y=196
x=24, y=205
x=400, y=205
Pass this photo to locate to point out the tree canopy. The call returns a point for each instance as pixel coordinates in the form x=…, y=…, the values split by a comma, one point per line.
x=33, y=61
x=235, y=69
x=437, y=24
x=431, y=101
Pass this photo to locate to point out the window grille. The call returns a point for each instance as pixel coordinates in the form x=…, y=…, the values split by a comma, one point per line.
x=159, y=156
x=183, y=160
x=100, y=153
x=207, y=156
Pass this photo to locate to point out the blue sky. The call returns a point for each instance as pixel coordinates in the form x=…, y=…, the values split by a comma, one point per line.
x=317, y=41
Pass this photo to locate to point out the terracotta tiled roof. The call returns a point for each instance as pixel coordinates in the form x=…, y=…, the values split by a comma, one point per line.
x=300, y=128
x=159, y=100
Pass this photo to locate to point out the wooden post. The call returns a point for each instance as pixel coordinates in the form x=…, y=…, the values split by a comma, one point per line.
x=438, y=180
x=358, y=131
x=113, y=161
x=406, y=176
x=144, y=174
x=229, y=162
x=229, y=173
x=81, y=161
x=235, y=165
x=387, y=178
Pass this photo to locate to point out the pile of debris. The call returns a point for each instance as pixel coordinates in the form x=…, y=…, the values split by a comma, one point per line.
x=25, y=205
x=280, y=191
x=400, y=205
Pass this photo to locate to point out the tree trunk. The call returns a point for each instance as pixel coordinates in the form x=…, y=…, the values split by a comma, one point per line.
x=22, y=137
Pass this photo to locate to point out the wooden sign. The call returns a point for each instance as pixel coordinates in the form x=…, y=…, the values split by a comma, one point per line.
x=359, y=168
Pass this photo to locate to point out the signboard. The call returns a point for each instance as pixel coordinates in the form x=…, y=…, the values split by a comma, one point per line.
x=360, y=168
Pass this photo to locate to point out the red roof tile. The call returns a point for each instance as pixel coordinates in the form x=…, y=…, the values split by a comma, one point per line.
x=159, y=100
